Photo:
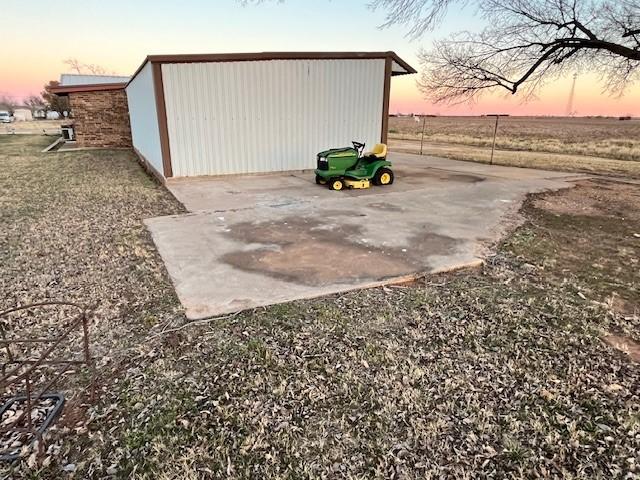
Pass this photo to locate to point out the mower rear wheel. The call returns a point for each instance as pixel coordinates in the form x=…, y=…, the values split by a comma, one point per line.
x=336, y=184
x=321, y=180
x=383, y=176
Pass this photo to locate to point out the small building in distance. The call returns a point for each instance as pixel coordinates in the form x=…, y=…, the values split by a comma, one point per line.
x=22, y=114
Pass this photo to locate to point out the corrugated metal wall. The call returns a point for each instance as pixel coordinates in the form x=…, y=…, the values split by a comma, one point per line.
x=262, y=116
x=144, y=118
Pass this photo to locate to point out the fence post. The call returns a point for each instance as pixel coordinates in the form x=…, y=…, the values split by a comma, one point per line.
x=424, y=121
x=495, y=132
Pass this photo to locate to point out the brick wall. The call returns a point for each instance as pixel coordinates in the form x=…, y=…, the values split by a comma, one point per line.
x=101, y=119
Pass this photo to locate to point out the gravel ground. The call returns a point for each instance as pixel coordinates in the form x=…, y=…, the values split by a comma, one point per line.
x=499, y=372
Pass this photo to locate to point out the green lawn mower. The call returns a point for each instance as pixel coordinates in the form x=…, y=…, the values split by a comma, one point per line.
x=349, y=167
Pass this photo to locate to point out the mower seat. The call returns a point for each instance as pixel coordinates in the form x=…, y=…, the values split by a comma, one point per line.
x=379, y=151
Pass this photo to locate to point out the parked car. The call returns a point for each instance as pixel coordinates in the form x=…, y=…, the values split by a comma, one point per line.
x=5, y=117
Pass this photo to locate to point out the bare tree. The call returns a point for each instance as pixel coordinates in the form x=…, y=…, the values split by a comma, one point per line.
x=75, y=65
x=8, y=103
x=526, y=43
x=54, y=102
x=79, y=67
x=34, y=102
x=418, y=15
x=96, y=69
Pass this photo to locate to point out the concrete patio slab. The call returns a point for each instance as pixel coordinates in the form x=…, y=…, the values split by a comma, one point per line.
x=258, y=240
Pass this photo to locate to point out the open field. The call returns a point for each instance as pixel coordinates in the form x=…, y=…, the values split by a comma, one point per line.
x=498, y=372
x=575, y=144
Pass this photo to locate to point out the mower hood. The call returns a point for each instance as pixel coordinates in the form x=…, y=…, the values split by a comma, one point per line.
x=338, y=152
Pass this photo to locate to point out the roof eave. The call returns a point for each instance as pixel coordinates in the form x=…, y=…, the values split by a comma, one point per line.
x=63, y=90
x=409, y=69
x=266, y=56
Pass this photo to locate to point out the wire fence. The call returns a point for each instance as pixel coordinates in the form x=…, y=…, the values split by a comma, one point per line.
x=555, y=142
x=33, y=127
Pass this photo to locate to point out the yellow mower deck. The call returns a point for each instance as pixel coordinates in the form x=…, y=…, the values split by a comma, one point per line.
x=357, y=183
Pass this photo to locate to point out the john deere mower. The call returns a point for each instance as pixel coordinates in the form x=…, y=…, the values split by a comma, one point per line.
x=349, y=167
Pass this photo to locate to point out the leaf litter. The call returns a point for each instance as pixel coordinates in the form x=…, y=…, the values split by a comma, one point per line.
x=489, y=373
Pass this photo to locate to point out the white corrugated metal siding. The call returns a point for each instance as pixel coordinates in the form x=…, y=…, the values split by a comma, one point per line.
x=144, y=118
x=263, y=116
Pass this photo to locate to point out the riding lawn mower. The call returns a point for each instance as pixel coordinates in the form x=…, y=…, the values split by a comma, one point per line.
x=349, y=167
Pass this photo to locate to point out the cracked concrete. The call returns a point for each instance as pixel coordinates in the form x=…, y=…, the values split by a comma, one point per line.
x=256, y=240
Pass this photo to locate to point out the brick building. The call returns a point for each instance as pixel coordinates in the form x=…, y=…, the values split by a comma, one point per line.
x=101, y=118
x=99, y=109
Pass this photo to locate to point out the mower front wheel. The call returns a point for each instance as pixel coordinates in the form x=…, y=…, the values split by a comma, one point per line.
x=336, y=184
x=321, y=180
x=383, y=176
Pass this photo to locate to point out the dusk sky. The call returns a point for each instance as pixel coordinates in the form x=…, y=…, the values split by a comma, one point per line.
x=117, y=34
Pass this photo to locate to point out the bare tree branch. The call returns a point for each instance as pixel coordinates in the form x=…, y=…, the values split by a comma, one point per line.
x=79, y=67
x=527, y=43
x=8, y=103
x=420, y=15
x=74, y=64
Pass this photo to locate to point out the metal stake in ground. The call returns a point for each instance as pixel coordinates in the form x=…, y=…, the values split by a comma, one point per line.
x=495, y=132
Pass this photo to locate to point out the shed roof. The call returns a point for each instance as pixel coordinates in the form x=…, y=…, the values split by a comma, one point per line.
x=399, y=66
x=72, y=83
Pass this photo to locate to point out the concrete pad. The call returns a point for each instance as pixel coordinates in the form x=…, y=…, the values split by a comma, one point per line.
x=258, y=240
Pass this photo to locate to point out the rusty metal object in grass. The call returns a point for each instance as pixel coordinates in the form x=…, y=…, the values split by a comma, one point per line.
x=35, y=365
x=12, y=450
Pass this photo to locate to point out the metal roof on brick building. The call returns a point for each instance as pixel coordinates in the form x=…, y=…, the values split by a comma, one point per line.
x=74, y=79
x=73, y=83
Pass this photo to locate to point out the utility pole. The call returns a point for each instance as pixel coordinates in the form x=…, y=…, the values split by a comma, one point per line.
x=424, y=121
x=572, y=94
x=495, y=132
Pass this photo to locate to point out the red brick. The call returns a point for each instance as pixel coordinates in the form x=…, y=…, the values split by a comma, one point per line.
x=101, y=119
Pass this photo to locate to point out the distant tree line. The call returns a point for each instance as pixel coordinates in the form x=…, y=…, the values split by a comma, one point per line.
x=44, y=102
x=48, y=101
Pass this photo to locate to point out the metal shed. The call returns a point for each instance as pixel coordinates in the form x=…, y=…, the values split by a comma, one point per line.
x=222, y=114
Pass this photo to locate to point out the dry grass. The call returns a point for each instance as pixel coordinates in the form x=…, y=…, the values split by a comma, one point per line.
x=575, y=144
x=72, y=230
x=33, y=127
x=498, y=372
x=545, y=161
